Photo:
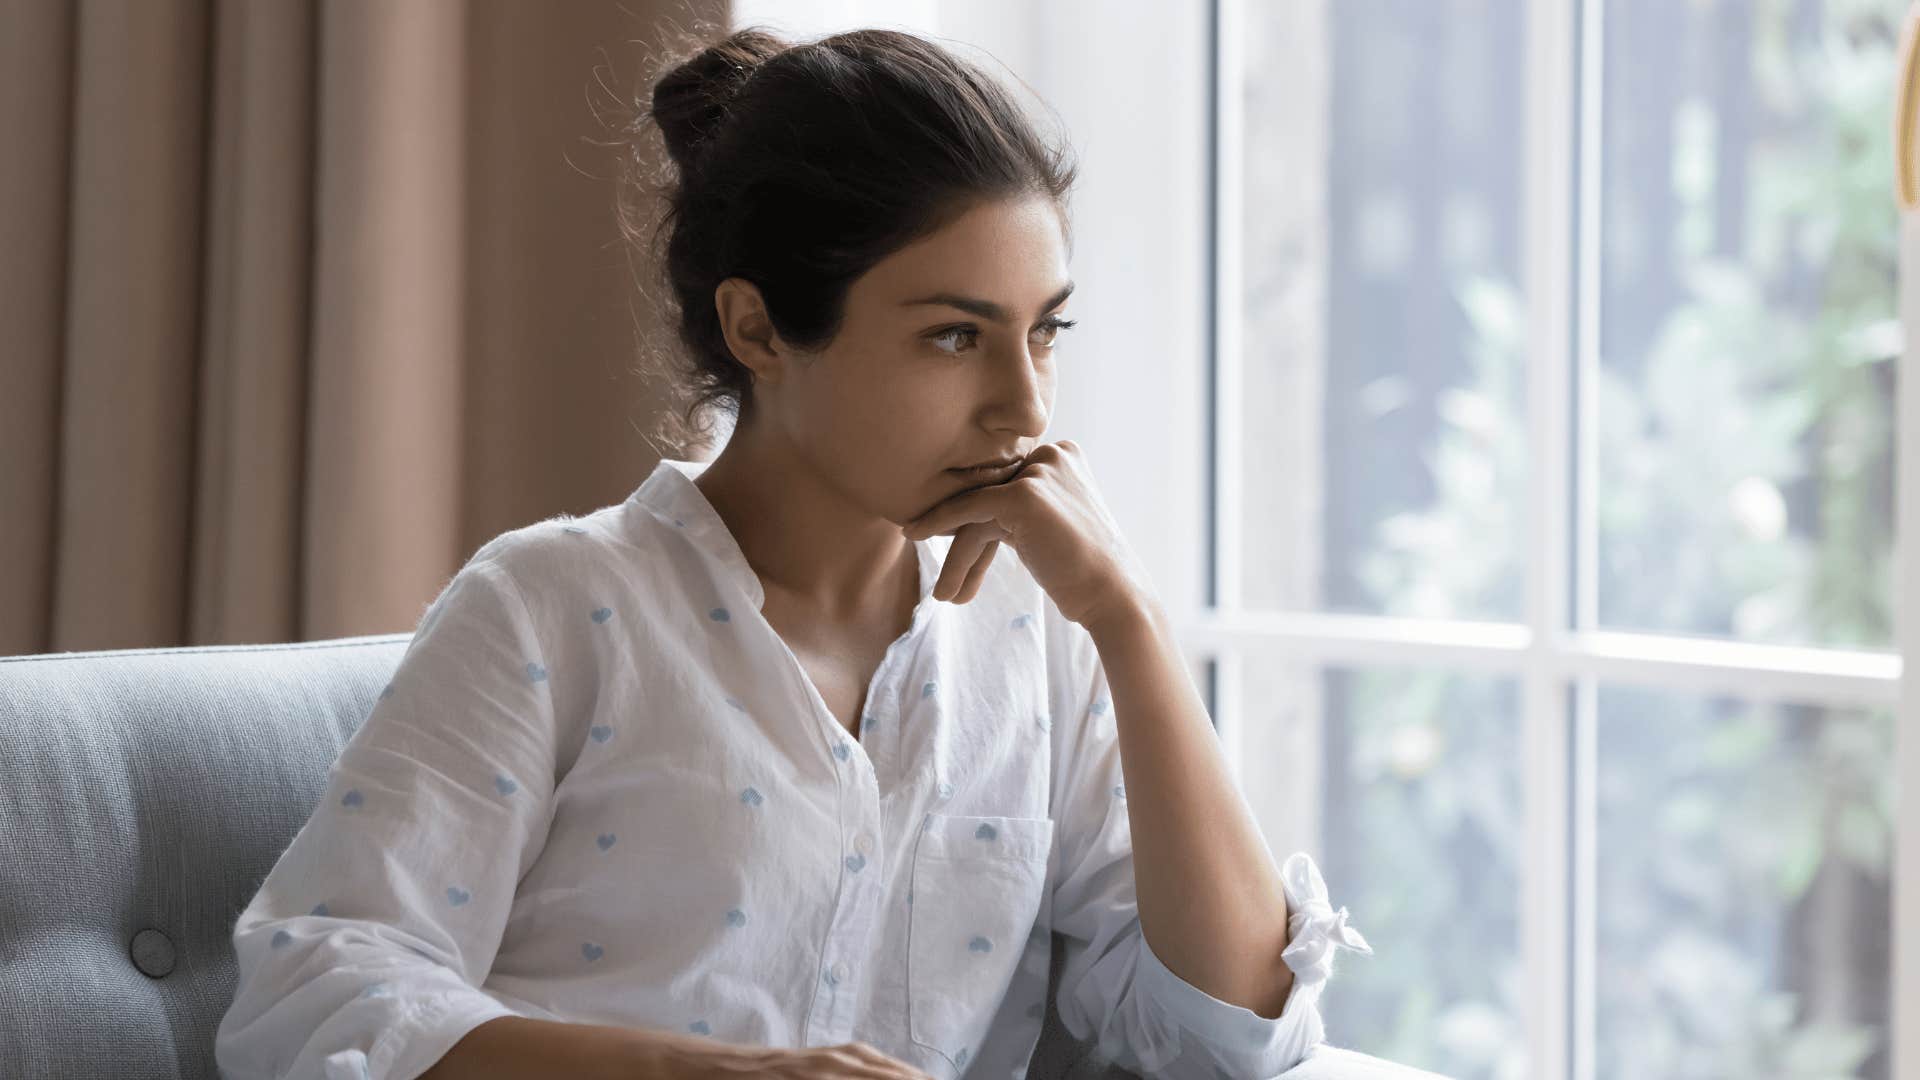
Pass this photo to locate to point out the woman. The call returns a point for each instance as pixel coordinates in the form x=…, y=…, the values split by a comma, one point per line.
x=796, y=763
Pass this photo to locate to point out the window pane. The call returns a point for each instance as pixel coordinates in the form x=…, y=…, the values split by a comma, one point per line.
x=1744, y=915
x=1748, y=324
x=1384, y=449
x=1417, y=828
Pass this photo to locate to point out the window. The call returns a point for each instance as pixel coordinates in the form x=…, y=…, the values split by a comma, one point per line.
x=1553, y=424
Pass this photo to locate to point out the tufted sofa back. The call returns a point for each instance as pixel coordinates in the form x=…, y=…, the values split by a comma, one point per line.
x=144, y=796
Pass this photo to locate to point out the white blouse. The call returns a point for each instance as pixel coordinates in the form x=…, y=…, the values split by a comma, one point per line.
x=600, y=788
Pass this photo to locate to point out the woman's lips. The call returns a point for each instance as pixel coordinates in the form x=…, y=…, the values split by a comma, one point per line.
x=987, y=472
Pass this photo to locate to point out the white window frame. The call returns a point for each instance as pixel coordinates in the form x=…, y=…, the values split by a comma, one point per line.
x=1135, y=85
x=1559, y=655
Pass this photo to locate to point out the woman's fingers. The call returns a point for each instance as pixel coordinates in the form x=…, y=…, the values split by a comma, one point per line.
x=876, y=1062
x=968, y=545
x=977, y=574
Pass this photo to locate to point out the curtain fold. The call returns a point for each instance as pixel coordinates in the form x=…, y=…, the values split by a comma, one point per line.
x=302, y=301
x=251, y=459
x=384, y=489
x=36, y=114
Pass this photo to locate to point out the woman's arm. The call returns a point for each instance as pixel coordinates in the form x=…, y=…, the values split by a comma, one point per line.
x=517, y=1046
x=507, y=1047
x=367, y=946
x=1211, y=900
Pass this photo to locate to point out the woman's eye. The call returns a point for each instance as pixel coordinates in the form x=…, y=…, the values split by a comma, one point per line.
x=945, y=335
x=1054, y=324
x=1051, y=326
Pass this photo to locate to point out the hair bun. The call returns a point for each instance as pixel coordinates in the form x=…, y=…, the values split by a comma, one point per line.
x=690, y=102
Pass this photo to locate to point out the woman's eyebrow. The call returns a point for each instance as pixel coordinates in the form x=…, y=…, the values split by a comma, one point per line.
x=986, y=309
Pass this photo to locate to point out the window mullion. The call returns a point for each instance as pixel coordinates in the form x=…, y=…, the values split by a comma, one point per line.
x=1546, y=861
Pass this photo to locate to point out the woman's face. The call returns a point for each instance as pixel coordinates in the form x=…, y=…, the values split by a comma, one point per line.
x=916, y=385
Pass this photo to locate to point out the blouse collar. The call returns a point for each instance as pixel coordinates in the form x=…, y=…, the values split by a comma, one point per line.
x=670, y=494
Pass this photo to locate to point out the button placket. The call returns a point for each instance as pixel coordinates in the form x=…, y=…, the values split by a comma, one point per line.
x=849, y=938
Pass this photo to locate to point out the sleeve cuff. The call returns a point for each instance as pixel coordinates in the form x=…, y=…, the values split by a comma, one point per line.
x=1314, y=929
x=426, y=1031
x=1251, y=1043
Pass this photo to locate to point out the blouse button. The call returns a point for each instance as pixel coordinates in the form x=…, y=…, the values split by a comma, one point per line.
x=864, y=844
x=840, y=971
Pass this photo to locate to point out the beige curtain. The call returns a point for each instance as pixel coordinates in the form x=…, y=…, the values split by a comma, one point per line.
x=301, y=301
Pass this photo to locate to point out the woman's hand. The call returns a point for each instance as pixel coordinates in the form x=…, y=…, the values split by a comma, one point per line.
x=711, y=1060
x=1053, y=516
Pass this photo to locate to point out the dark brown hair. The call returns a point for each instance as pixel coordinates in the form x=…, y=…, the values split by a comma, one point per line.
x=797, y=167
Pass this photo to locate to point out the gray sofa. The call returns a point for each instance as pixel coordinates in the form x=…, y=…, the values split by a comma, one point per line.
x=144, y=796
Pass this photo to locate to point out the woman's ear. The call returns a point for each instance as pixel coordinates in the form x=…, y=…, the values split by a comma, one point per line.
x=748, y=329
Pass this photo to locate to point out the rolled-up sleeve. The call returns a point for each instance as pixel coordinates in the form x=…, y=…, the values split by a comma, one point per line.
x=363, y=953
x=1114, y=991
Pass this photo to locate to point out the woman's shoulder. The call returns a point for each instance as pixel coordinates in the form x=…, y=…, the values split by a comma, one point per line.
x=560, y=553
x=561, y=538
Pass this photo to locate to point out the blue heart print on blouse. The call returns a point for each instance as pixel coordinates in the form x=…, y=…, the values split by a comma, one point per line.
x=536, y=673
x=574, y=529
x=602, y=614
x=318, y=909
x=735, y=702
x=856, y=863
x=376, y=990
x=751, y=796
x=1119, y=791
x=719, y=614
x=946, y=790
x=352, y=799
x=700, y=1027
x=927, y=690
x=605, y=840
x=985, y=832
x=281, y=937
x=1020, y=621
x=601, y=733
x=979, y=944
x=840, y=751
x=457, y=895
x=736, y=917
x=961, y=1057
x=506, y=786
x=591, y=951
x=1099, y=707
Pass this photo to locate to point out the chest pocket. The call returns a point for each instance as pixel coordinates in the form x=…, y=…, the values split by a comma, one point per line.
x=977, y=887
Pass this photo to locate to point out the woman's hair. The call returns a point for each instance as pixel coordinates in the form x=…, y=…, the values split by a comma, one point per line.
x=797, y=167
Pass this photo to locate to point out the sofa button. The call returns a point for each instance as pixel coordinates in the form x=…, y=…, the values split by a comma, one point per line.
x=152, y=952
